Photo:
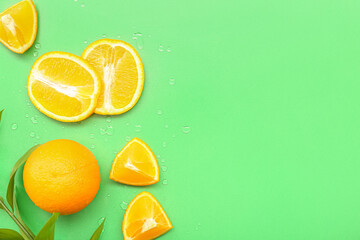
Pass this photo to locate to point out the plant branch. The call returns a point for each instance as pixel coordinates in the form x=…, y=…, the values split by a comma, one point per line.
x=13, y=217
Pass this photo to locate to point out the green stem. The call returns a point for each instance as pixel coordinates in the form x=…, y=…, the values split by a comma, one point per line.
x=22, y=228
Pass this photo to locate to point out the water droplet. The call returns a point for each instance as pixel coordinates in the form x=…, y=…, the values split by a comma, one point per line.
x=110, y=130
x=127, y=124
x=92, y=136
x=118, y=36
x=108, y=119
x=127, y=138
x=166, y=126
x=27, y=115
x=32, y=134
x=138, y=128
x=35, y=54
x=123, y=205
x=100, y=220
x=164, y=168
x=102, y=131
x=93, y=146
x=138, y=37
x=164, y=144
x=172, y=81
x=108, y=195
x=37, y=45
x=83, y=5
x=168, y=49
x=165, y=182
x=103, y=36
x=163, y=160
x=186, y=129
x=159, y=112
x=37, y=137
x=158, y=156
x=161, y=48
x=173, y=136
x=76, y=0
x=14, y=126
x=28, y=103
x=149, y=35
x=85, y=42
x=34, y=120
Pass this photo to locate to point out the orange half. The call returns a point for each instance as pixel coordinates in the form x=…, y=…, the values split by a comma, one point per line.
x=18, y=26
x=121, y=72
x=135, y=165
x=145, y=219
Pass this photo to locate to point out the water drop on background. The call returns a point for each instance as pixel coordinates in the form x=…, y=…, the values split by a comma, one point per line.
x=164, y=144
x=92, y=136
x=163, y=160
x=37, y=137
x=127, y=138
x=138, y=37
x=34, y=120
x=35, y=54
x=168, y=49
x=108, y=119
x=172, y=81
x=37, y=45
x=161, y=48
x=164, y=168
x=93, y=146
x=104, y=36
x=186, y=129
x=83, y=5
x=165, y=182
x=118, y=36
x=27, y=115
x=102, y=131
x=123, y=205
x=14, y=126
x=166, y=126
x=32, y=134
x=138, y=128
x=109, y=130
x=85, y=42
x=159, y=112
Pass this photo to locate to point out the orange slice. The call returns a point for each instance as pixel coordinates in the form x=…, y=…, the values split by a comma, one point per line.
x=18, y=26
x=121, y=72
x=145, y=219
x=135, y=165
x=63, y=86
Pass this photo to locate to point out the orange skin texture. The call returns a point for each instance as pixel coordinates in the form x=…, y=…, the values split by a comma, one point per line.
x=61, y=176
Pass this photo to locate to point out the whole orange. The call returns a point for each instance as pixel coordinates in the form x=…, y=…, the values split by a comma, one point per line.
x=61, y=176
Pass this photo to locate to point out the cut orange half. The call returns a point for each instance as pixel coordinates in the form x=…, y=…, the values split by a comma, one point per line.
x=135, y=165
x=122, y=74
x=18, y=26
x=64, y=86
x=145, y=219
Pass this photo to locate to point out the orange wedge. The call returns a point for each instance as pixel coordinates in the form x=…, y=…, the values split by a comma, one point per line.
x=145, y=219
x=63, y=86
x=121, y=72
x=18, y=26
x=135, y=165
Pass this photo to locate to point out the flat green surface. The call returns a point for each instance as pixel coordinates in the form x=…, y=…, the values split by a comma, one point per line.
x=269, y=89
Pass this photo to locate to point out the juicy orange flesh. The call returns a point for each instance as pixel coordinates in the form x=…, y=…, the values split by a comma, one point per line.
x=16, y=25
x=134, y=165
x=119, y=74
x=145, y=219
x=59, y=81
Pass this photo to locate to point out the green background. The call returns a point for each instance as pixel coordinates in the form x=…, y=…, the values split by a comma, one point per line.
x=269, y=90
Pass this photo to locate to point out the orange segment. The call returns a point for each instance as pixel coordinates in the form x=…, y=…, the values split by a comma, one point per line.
x=135, y=165
x=122, y=74
x=64, y=86
x=18, y=26
x=145, y=219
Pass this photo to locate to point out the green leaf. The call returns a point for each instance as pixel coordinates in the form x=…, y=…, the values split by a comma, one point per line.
x=10, y=189
x=18, y=216
x=8, y=234
x=98, y=231
x=48, y=230
x=2, y=200
x=1, y=113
